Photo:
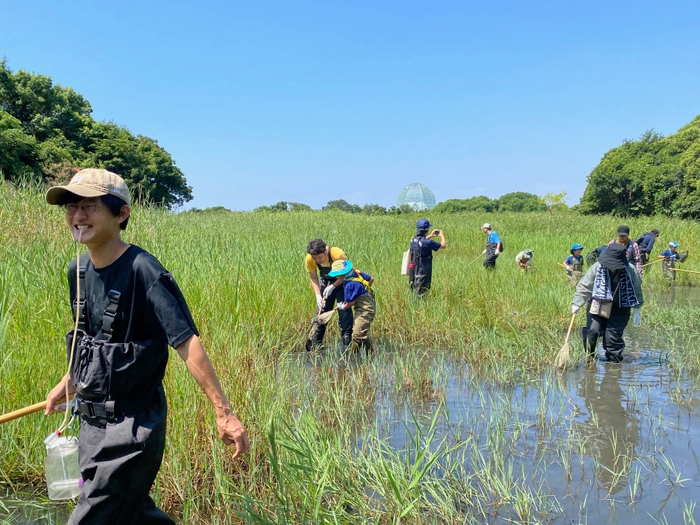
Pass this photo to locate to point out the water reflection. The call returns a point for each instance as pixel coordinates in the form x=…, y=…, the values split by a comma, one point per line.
x=678, y=295
x=610, y=429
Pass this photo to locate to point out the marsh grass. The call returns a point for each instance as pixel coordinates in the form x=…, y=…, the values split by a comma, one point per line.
x=323, y=426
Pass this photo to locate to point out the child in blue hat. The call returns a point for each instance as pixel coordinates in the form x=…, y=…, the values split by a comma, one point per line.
x=670, y=257
x=574, y=264
x=357, y=290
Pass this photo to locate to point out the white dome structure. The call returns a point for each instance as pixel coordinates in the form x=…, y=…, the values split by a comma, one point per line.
x=417, y=196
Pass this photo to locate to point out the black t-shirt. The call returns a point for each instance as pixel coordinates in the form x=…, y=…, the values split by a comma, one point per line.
x=151, y=305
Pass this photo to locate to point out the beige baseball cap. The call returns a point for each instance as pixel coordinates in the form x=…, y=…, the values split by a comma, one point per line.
x=91, y=182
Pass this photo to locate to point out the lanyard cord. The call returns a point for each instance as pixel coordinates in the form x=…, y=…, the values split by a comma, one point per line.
x=66, y=419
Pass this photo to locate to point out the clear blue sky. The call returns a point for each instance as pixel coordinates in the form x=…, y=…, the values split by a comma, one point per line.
x=311, y=101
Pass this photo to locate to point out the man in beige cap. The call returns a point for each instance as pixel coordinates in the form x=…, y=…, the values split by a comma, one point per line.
x=128, y=309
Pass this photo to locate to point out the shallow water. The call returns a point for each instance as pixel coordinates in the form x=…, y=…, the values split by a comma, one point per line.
x=602, y=443
x=678, y=295
x=23, y=508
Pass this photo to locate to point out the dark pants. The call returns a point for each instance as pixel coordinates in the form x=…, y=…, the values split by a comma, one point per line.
x=611, y=329
x=423, y=277
x=344, y=318
x=490, y=261
x=645, y=257
x=119, y=461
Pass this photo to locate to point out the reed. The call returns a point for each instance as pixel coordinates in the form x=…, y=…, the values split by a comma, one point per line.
x=322, y=426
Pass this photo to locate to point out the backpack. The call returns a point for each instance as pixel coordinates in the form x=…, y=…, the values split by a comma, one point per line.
x=503, y=246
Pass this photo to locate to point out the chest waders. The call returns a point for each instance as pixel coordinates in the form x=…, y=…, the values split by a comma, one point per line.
x=422, y=267
x=122, y=431
x=490, y=261
x=364, y=311
x=666, y=265
x=574, y=275
x=611, y=328
x=344, y=316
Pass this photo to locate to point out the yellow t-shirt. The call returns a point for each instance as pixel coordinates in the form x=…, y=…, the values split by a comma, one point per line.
x=336, y=254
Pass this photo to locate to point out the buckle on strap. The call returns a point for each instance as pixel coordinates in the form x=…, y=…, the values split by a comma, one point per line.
x=79, y=302
x=92, y=410
x=110, y=313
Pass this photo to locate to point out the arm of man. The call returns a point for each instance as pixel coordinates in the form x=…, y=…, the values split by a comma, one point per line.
x=315, y=286
x=584, y=288
x=58, y=394
x=443, y=241
x=197, y=361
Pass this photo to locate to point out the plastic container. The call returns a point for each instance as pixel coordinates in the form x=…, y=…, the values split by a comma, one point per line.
x=61, y=465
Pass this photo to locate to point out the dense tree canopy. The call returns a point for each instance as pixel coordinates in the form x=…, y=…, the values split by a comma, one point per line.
x=47, y=132
x=517, y=201
x=480, y=203
x=520, y=201
x=652, y=175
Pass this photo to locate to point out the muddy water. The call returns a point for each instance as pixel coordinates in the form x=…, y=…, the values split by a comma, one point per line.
x=602, y=443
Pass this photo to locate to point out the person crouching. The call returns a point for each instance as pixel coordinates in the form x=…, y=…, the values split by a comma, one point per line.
x=524, y=260
x=359, y=298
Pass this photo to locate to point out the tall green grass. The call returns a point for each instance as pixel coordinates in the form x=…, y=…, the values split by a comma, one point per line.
x=245, y=283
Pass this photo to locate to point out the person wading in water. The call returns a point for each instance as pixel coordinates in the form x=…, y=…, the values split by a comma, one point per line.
x=610, y=288
x=320, y=258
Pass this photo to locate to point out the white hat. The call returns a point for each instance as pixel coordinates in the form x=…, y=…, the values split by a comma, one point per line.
x=486, y=225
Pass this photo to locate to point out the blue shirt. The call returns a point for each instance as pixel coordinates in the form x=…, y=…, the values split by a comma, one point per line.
x=493, y=238
x=425, y=246
x=353, y=289
x=647, y=243
x=669, y=253
x=572, y=259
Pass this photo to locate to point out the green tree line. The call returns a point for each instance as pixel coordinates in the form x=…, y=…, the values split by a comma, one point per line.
x=47, y=133
x=654, y=175
x=518, y=201
x=338, y=205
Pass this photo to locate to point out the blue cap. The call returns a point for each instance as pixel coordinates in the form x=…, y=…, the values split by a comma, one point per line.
x=576, y=246
x=673, y=244
x=423, y=224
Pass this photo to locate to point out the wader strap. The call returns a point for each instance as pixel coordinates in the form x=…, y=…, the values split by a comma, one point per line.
x=98, y=411
x=79, y=303
x=102, y=413
x=110, y=313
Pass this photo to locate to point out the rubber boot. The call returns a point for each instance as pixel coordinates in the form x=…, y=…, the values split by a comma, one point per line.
x=613, y=357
